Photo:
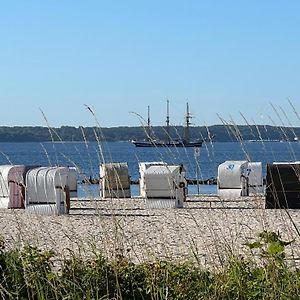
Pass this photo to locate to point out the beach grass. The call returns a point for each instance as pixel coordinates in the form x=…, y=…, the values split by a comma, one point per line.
x=30, y=273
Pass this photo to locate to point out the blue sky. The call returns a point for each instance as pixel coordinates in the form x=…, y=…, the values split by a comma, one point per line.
x=224, y=57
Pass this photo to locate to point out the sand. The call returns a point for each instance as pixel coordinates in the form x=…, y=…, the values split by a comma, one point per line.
x=206, y=230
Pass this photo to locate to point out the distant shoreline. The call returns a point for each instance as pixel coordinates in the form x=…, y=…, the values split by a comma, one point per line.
x=215, y=133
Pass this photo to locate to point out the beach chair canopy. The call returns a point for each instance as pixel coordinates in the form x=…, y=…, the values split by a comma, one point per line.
x=143, y=166
x=46, y=184
x=72, y=181
x=162, y=181
x=230, y=174
x=283, y=185
x=12, y=186
x=255, y=177
x=115, y=176
x=114, y=180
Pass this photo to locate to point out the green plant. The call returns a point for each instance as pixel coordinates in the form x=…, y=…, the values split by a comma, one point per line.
x=271, y=247
x=275, y=274
x=29, y=273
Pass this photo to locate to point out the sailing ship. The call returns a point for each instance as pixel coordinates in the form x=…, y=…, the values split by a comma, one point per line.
x=186, y=142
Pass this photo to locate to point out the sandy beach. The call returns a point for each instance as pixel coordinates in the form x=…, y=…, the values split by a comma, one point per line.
x=206, y=229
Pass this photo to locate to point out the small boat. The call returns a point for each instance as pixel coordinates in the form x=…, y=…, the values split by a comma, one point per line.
x=186, y=142
x=264, y=141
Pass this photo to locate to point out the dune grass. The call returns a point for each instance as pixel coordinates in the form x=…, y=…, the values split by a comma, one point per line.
x=29, y=273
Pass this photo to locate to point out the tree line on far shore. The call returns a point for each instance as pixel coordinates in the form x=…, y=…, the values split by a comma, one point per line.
x=217, y=133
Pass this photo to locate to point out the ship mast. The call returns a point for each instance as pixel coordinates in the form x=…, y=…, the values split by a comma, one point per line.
x=187, y=124
x=148, y=120
x=148, y=124
x=168, y=122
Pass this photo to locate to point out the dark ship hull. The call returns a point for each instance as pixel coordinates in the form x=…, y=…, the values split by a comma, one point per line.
x=167, y=144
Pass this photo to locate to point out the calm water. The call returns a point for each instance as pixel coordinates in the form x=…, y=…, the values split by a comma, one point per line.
x=87, y=157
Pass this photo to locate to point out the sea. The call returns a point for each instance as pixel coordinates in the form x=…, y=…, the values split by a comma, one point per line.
x=200, y=163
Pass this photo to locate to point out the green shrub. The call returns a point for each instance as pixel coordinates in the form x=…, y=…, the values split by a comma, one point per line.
x=30, y=274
